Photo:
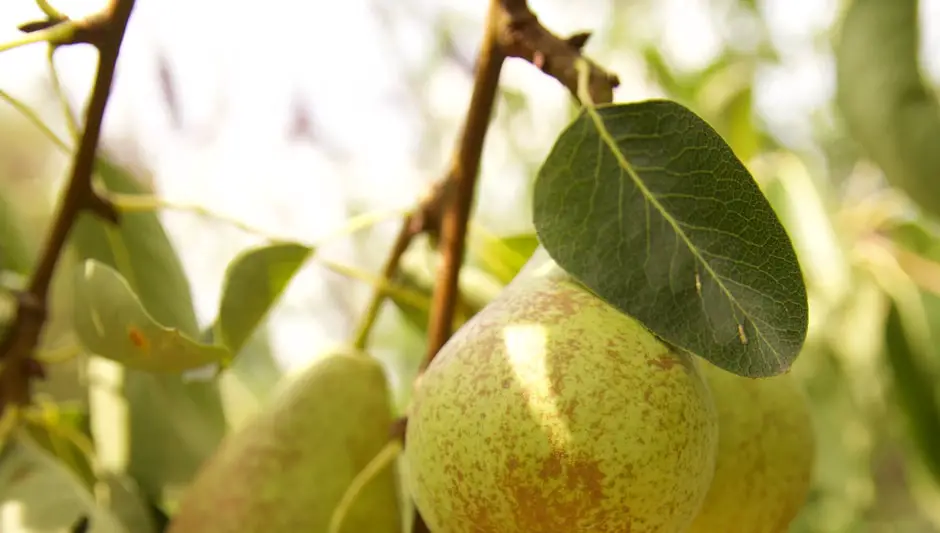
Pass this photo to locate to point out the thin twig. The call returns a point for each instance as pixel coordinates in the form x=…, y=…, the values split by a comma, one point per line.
x=424, y=219
x=16, y=349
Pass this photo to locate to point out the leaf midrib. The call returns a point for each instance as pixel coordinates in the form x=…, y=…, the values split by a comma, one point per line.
x=611, y=143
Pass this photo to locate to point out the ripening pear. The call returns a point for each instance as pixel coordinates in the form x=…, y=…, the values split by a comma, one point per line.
x=766, y=449
x=285, y=470
x=550, y=411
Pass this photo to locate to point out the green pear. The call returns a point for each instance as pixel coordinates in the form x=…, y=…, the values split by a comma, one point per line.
x=550, y=411
x=766, y=449
x=285, y=470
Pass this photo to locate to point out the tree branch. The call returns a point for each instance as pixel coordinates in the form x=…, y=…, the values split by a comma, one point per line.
x=523, y=36
x=16, y=349
x=465, y=167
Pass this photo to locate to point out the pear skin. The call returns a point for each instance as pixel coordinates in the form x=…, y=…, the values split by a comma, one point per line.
x=286, y=469
x=766, y=449
x=550, y=411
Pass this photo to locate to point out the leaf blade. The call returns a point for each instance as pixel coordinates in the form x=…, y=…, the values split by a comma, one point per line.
x=111, y=322
x=50, y=497
x=648, y=207
x=254, y=281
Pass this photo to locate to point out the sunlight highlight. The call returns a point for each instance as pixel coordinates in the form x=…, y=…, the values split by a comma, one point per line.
x=527, y=351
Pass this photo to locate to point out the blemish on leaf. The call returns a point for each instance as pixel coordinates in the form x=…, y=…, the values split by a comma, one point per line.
x=137, y=338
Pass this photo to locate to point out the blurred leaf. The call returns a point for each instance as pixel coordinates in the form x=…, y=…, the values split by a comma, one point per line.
x=908, y=347
x=14, y=254
x=649, y=208
x=842, y=482
x=740, y=131
x=127, y=503
x=53, y=429
x=140, y=250
x=39, y=495
x=253, y=283
x=887, y=106
x=157, y=428
x=504, y=257
x=911, y=354
x=111, y=322
x=803, y=206
x=681, y=88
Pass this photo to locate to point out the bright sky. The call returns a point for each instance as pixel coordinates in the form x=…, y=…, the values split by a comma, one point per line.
x=239, y=69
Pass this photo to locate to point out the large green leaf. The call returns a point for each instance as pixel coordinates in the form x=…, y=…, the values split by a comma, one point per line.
x=157, y=428
x=110, y=321
x=141, y=251
x=40, y=495
x=253, y=283
x=648, y=207
x=887, y=106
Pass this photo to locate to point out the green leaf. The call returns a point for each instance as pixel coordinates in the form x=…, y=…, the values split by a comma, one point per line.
x=504, y=257
x=38, y=494
x=14, y=254
x=55, y=434
x=141, y=251
x=648, y=207
x=253, y=283
x=909, y=349
x=156, y=428
x=742, y=133
x=887, y=106
x=128, y=504
x=111, y=322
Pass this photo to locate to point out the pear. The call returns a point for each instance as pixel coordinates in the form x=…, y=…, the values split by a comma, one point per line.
x=285, y=470
x=766, y=449
x=550, y=411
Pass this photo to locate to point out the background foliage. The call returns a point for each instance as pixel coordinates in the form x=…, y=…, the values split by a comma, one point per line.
x=871, y=256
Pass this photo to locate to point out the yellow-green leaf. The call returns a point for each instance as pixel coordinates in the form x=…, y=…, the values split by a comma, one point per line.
x=40, y=495
x=253, y=283
x=111, y=322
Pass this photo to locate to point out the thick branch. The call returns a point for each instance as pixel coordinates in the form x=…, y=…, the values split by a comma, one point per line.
x=524, y=36
x=22, y=337
x=465, y=167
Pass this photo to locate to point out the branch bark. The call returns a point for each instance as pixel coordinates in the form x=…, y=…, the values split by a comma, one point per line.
x=463, y=173
x=525, y=37
x=16, y=348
